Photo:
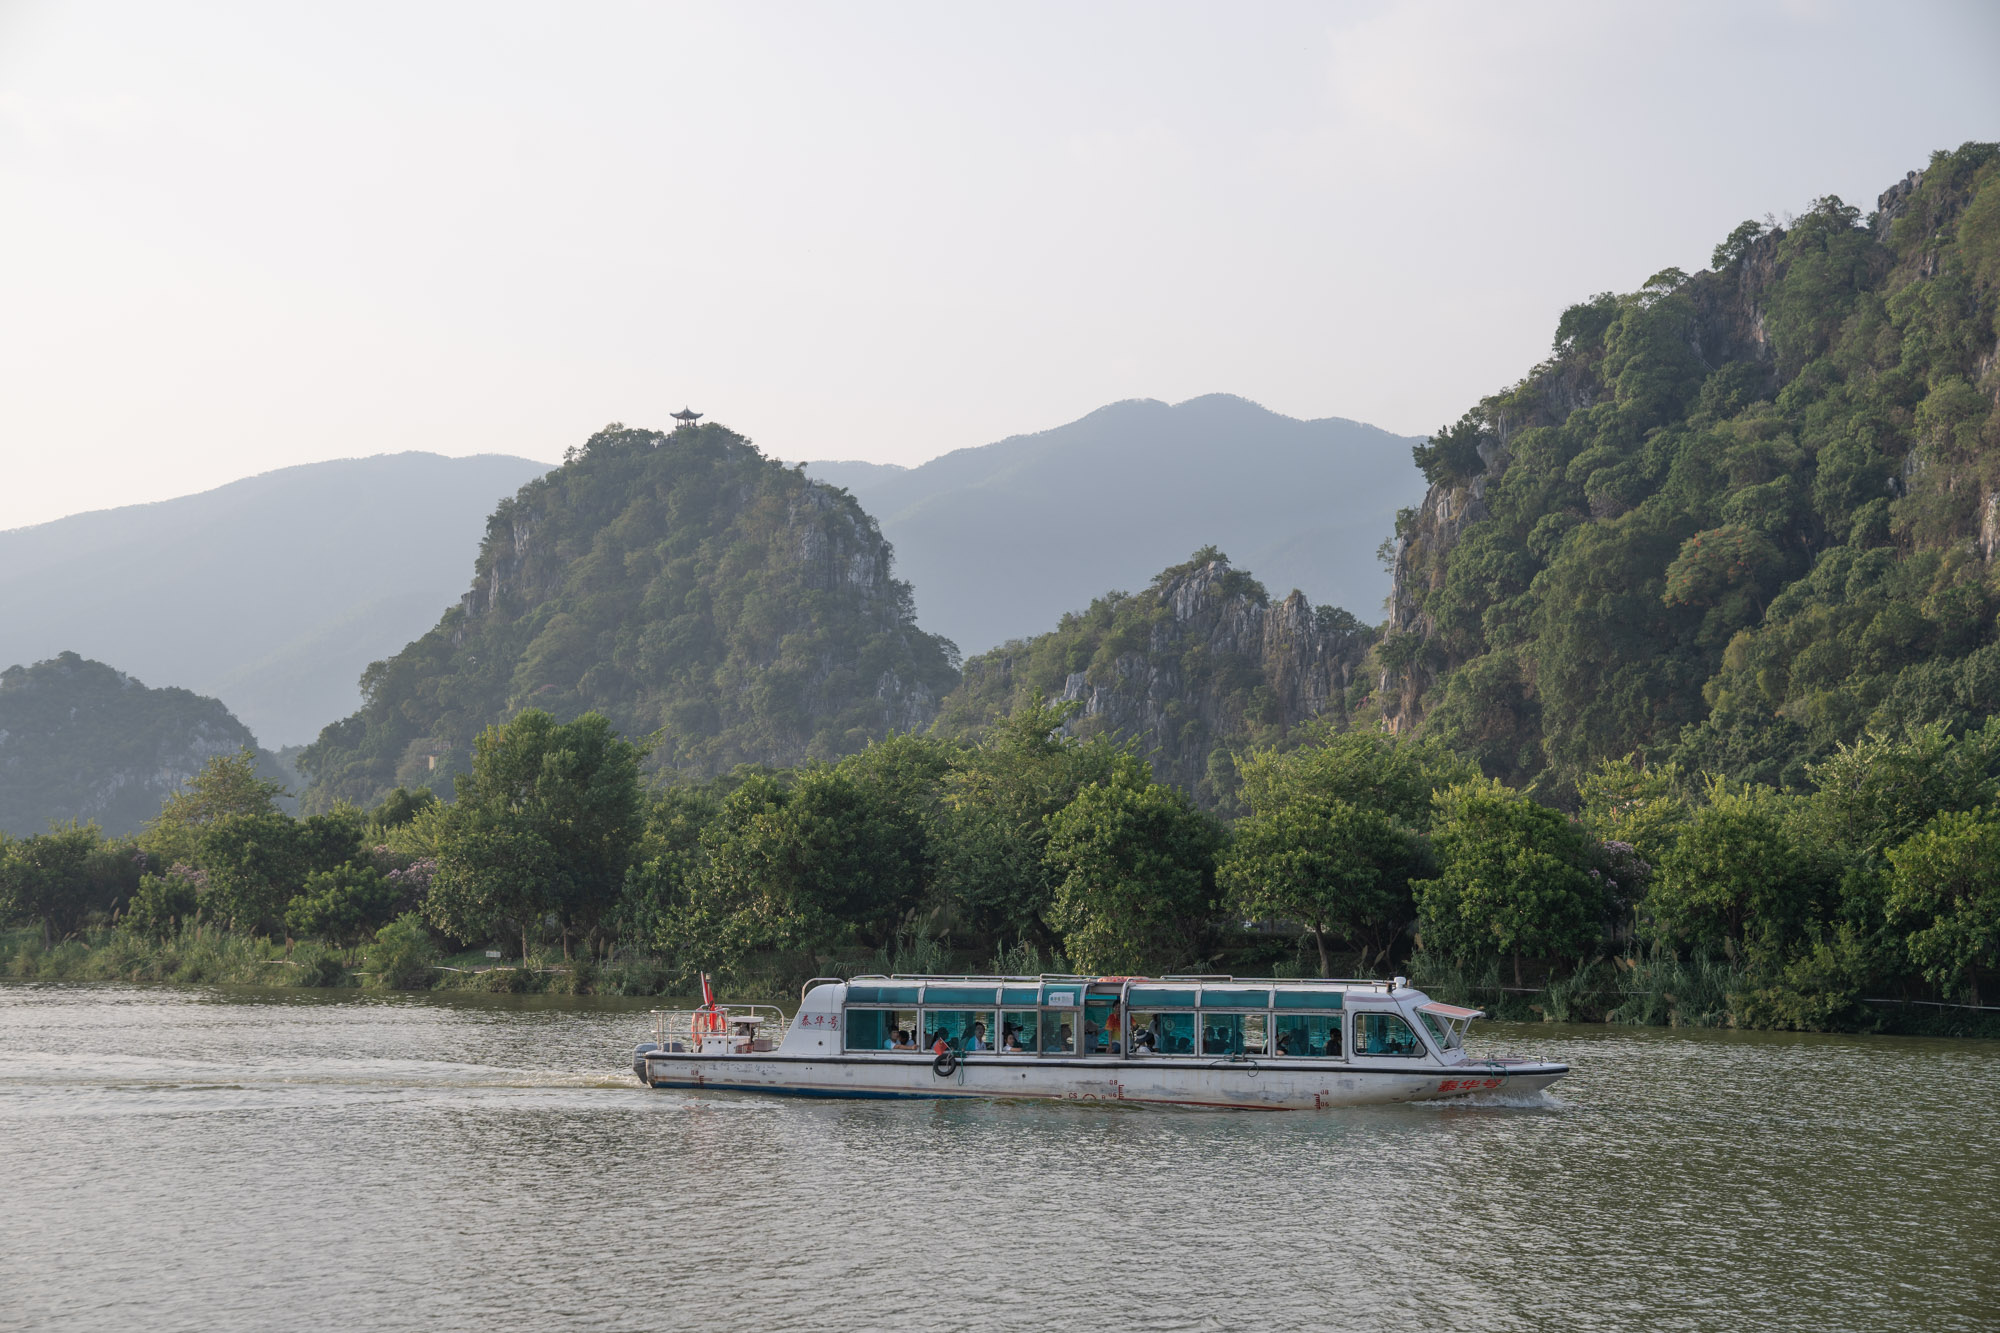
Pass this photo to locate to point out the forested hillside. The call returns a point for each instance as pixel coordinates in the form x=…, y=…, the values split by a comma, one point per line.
x=1002, y=540
x=1199, y=668
x=682, y=584
x=1736, y=518
x=271, y=593
x=82, y=741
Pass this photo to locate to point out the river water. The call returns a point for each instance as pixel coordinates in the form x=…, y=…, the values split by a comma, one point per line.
x=186, y=1159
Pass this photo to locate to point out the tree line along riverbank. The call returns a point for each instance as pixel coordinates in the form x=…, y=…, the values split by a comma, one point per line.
x=1871, y=900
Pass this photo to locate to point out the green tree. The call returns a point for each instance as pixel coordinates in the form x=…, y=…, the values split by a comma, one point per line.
x=493, y=871
x=162, y=905
x=825, y=853
x=1336, y=869
x=62, y=877
x=1880, y=789
x=564, y=795
x=226, y=785
x=342, y=905
x=403, y=954
x=1513, y=879
x=1946, y=884
x=1136, y=862
x=1735, y=878
x=660, y=884
x=1333, y=834
x=997, y=803
x=254, y=863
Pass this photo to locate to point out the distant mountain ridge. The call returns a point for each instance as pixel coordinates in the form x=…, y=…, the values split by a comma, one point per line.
x=1000, y=541
x=82, y=740
x=271, y=593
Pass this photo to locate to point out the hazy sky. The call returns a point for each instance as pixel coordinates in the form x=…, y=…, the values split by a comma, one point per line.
x=234, y=237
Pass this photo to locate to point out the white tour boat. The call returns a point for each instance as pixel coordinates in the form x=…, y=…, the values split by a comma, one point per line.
x=1184, y=1041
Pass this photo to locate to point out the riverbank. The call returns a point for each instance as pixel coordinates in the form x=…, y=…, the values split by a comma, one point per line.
x=210, y=957
x=1621, y=991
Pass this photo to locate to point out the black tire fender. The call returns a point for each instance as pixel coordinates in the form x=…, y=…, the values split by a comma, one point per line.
x=946, y=1064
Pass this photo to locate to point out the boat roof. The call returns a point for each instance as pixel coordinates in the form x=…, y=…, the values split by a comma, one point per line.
x=1201, y=981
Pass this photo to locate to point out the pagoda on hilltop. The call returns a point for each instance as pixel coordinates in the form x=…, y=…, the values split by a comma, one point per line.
x=686, y=416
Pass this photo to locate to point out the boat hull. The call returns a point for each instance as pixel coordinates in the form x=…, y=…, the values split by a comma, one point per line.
x=1251, y=1084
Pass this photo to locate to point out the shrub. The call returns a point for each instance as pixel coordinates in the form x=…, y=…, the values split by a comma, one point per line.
x=403, y=955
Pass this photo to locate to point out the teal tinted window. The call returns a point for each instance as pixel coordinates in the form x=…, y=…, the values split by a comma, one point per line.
x=1020, y=1031
x=1020, y=995
x=1221, y=997
x=1059, y=1033
x=1160, y=997
x=882, y=994
x=960, y=1029
x=1100, y=1027
x=1293, y=999
x=1162, y=1034
x=881, y=1029
x=1306, y=1036
x=1384, y=1034
x=867, y=1029
x=1232, y=1034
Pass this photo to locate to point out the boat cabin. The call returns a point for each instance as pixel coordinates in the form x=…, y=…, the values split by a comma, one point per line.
x=1206, y=1018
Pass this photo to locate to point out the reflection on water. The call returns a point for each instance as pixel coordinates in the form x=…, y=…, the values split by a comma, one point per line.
x=184, y=1159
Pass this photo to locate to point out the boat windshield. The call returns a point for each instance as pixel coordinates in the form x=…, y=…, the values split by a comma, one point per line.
x=1447, y=1023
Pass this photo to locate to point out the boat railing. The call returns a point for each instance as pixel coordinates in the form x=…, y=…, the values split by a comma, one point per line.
x=1222, y=978
x=761, y=1026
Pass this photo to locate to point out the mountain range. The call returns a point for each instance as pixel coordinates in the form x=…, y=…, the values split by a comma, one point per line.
x=1001, y=540
x=272, y=593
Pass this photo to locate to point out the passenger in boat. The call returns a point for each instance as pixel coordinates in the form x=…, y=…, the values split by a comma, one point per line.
x=903, y=1042
x=1145, y=1043
x=977, y=1041
x=1010, y=1041
x=1285, y=1044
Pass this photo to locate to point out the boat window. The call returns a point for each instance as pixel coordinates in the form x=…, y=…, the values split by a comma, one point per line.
x=1020, y=1030
x=1384, y=1034
x=1157, y=1033
x=1059, y=1032
x=1232, y=1034
x=1307, y=1036
x=962, y=1029
x=878, y=1029
x=1101, y=1035
x=1450, y=1036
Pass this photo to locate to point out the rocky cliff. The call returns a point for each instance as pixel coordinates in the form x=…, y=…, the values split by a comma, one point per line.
x=1201, y=665
x=80, y=740
x=1697, y=477
x=692, y=590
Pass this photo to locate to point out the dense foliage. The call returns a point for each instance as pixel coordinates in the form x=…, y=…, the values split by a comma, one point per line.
x=683, y=585
x=80, y=740
x=1670, y=897
x=1738, y=518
